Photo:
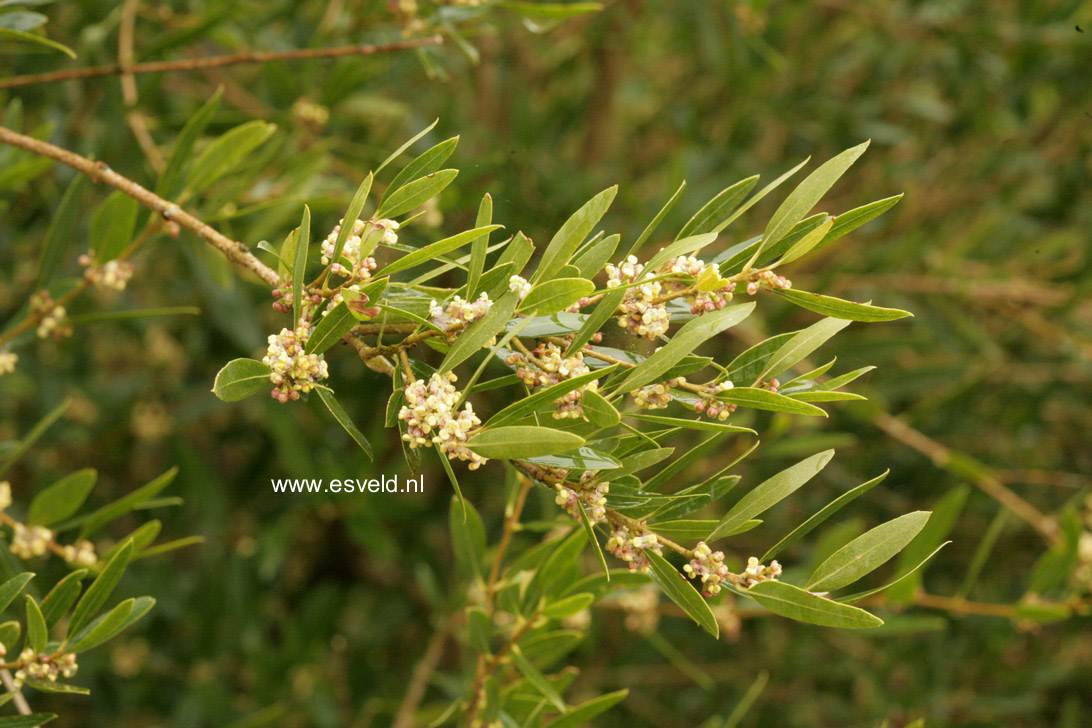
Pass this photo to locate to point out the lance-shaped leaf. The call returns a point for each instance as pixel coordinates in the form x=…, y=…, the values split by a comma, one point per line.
x=536, y=678
x=62, y=499
x=478, y=249
x=543, y=397
x=685, y=246
x=598, y=410
x=413, y=194
x=37, y=631
x=849, y=221
x=60, y=232
x=795, y=603
x=867, y=552
x=759, y=195
x=654, y=223
x=100, y=589
x=705, y=425
x=13, y=587
x=112, y=226
x=822, y=515
x=344, y=420
x=239, y=379
x=428, y=162
x=413, y=140
x=523, y=441
x=103, y=628
x=226, y=153
x=584, y=458
x=467, y=536
x=804, y=245
x=61, y=597
x=97, y=519
x=12, y=455
x=182, y=153
x=801, y=345
x=898, y=579
x=582, y=714
x=764, y=399
x=804, y=197
x=299, y=263
x=840, y=308
x=771, y=491
x=356, y=206
x=432, y=250
x=945, y=515
x=599, y=315
x=718, y=209
x=331, y=327
x=680, y=591
x=572, y=233
x=692, y=335
x=590, y=261
x=479, y=333
x=556, y=295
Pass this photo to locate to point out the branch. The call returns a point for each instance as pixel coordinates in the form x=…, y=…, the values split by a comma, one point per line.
x=233, y=250
x=233, y=59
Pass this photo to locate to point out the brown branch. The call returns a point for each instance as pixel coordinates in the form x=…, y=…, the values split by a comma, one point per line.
x=137, y=123
x=234, y=251
x=232, y=59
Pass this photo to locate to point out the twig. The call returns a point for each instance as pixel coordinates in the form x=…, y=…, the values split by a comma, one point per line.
x=17, y=695
x=234, y=251
x=422, y=672
x=232, y=59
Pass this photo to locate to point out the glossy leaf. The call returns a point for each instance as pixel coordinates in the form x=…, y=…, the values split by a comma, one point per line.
x=568, y=238
x=556, y=295
x=344, y=420
x=680, y=591
x=241, y=378
x=520, y=441
x=413, y=194
x=867, y=552
x=795, y=603
x=841, y=309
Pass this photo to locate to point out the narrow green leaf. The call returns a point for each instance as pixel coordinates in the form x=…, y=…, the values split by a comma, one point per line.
x=795, y=603
x=352, y=214
x=655, y=222
x=31, y=720
x=167, y=186
x=12, y=456
x=37, y=631
x=226, y=153
x=568, y=606
x=97, y=519
x=589, y=530
x=572, y=233
x=747, y=701
x=13, y=587
x=849, y=221
x=555, y=295
x=867, y=552
x=756, y=197
x=903, y=574
x=804, y=245
x=62, y=499
x=41, y=40
x=61, y=597
x=543, y=397
x=467, y=536
x=841, y=309
x=428, y=162
x=705, y=425
x=432, y=250
x=717, y=209
x=822, y=515
x=398, y=152
x=60, y=232
x=344, y=420
x=945, y=515
x=685, y=246
x=479, y=627
x=103, y=628
x=479, y=333
x=598, y=410
x=772, y=491
x=100, y=589
x=416, y=193
x=682, y=592
x=479, y=247
x=112, y=226
x=583, y=713
x=589, y=262
x=764, y=399
x=239, y=379
x=536, y=678
x=603, y=310
x=299, y=263
x=693, y=333
x=509, y=443
x=330, y=329
x=801, y=346
x=805, y=197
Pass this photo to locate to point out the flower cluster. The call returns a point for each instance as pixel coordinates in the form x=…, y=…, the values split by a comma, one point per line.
x=768, y=278
x=82, y=553
x=656, y=396
x=703, y=301
x=546, y=367
x=8, y=360
x=708, y=565
x=756, y=572
x=42, y=666
x=283, y=298
x=54, y=321
x=363, y=237
x=713, y=407
x=30, y=541
x=519, y=285
x=112, y=275
x=641, y=314
x=292, y=369
x=431, y=419
x=594, y=500
x=459, y=312
x=632, y=545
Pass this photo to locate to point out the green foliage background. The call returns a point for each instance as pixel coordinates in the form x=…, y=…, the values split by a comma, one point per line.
x=312, y=610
